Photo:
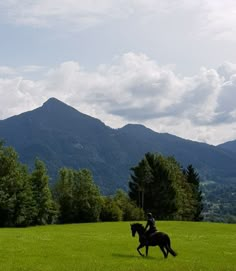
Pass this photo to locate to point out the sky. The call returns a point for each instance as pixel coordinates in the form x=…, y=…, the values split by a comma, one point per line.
x=167, y=64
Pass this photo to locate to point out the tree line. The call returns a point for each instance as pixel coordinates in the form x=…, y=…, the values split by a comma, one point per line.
x=26, y=198
x=157, y=184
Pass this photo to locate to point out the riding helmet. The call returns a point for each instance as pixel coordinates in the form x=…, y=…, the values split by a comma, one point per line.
x=149, y=214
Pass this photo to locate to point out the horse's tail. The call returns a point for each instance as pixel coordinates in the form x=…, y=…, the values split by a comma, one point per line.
x=168, y=247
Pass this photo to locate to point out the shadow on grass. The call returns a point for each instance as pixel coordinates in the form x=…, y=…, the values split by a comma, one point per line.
x=120, y=255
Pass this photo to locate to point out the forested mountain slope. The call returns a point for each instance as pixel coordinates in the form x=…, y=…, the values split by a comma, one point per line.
x=62, y=136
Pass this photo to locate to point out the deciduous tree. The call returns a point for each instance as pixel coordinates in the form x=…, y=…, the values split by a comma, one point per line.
x=44, y=204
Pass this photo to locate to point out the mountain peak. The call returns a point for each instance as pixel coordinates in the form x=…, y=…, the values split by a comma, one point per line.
x=53, y=101
x=55, y=105
x=136, y=128
x=65, y=114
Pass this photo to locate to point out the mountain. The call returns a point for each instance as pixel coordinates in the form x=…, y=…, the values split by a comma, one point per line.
x=64, y=137
x=229, y=146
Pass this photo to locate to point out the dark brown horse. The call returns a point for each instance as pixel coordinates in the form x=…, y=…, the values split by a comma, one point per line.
x=158, y=238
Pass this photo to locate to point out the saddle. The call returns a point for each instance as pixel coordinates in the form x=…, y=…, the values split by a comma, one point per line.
x=151, y=234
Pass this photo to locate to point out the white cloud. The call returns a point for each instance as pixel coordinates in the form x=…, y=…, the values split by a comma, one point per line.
x=226, y=70
x=220, y=19
x=212, y=18
x=135, y=89
x=45, y=13
x=6, y=71
x=19, y=95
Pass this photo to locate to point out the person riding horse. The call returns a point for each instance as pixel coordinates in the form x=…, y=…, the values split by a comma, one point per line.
x=158, y=238
x=151, y=225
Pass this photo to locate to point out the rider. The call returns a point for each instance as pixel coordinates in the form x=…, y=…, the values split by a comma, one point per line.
x=150, y=224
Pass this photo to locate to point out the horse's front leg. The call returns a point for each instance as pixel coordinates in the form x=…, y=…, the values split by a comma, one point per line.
x=146, y=250
x=138, y=249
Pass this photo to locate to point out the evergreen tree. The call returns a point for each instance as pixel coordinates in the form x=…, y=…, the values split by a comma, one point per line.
x=153, y=175
x=161, y=191
x=166, y=191
x=193, y=179
x=141, y=177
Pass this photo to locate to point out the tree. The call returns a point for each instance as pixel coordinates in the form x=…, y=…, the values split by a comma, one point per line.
x=45, y=209
x=193, y=179
x=140, y=178
x=78, y=197
x=153, y=174
x=63, y=193
x=165, y=190
x=183, y=195
x=110, y=210
x=16, y=207
x=129, y=209
x=87, y=198
x=120, y=207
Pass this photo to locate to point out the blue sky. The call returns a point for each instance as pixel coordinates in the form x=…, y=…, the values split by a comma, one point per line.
x=167, y=64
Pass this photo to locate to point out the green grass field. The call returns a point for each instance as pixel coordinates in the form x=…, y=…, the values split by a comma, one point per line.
x=110, y=246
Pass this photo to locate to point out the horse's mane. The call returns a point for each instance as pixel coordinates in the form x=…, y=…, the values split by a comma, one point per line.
x=139, y=225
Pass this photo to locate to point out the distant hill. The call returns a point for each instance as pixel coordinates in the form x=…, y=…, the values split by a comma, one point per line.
x=62, y=136
x=229, y=146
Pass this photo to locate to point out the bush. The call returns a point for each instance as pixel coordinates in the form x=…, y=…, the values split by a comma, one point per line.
x=129, y=208
x=120, y=207
x=110, y=210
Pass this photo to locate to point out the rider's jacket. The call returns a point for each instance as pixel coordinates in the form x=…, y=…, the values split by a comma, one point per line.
x=151, y=224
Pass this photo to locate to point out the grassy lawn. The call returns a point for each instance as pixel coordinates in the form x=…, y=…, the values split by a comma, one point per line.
x=110, y=246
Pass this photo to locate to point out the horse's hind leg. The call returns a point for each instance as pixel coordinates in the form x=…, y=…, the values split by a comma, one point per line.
x=146, y=250
x=169, y=249
x=163, y=251
x=172, y=252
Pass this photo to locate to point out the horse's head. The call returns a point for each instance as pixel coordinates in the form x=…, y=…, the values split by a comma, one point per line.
x=136, y=228
x=133, y=229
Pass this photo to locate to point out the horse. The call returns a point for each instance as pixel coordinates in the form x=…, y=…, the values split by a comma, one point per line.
x=157, y=238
